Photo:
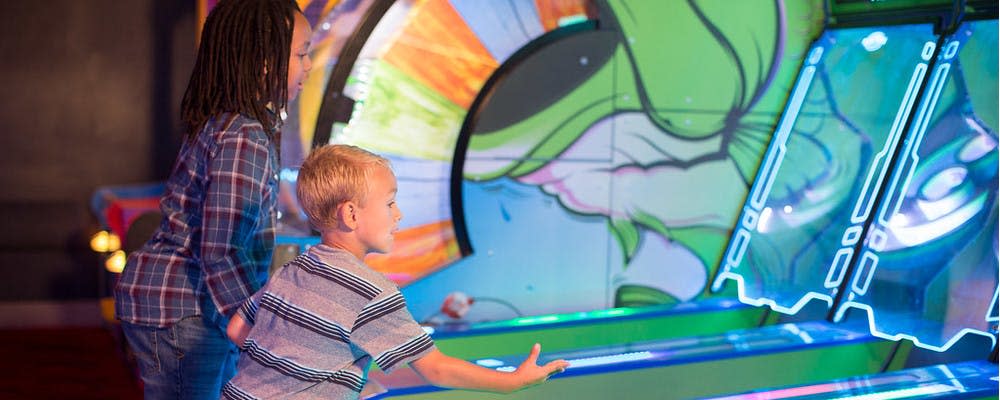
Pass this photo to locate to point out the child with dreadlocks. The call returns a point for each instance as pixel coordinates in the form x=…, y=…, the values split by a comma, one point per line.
x=213, y=247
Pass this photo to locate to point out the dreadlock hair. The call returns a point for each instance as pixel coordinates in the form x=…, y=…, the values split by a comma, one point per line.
x=242, y=63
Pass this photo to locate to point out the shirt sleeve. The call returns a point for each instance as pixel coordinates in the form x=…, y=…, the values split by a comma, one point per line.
x=249, y=308
x=237, y=176
x=386, y=331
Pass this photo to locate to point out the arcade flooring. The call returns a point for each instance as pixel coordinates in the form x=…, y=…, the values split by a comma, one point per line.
x=73, y=363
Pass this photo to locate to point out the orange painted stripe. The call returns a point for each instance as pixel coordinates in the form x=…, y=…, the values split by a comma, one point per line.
x=550, y=11
x=417, y=252
x=438, y=49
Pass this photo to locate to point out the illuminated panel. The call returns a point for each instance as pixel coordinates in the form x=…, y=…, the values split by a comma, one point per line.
x=928, y=265
x=609, y=359
x=826, y=161
x=972, y=379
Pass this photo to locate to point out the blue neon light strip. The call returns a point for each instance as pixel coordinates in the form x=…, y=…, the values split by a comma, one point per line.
x=862, y=208
x=609, y=359
x=869, y=259
x=777, y=154
x=872, y=182
x=901, y=336
x=769, y=168
x=993, y=315
x=910, y=151
x=904, y=393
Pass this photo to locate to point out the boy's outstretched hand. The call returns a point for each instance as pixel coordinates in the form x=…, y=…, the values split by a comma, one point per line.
x=532, y=374
x=446, y=371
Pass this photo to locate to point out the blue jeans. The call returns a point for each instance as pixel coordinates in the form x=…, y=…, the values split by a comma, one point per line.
x=190, y=359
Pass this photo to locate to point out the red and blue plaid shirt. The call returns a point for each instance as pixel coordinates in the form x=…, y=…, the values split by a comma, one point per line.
x=214, y=244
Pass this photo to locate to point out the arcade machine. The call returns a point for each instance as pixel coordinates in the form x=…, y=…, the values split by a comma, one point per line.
x=838, y=144
x=422, y=106
x=926, y=270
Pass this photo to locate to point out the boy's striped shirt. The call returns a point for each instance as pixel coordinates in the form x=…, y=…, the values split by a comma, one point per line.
x=318, y=325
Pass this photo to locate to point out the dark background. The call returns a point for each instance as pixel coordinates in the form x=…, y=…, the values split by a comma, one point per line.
x=91, y=90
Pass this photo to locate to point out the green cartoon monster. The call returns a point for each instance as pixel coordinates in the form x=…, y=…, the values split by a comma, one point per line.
x=657, y=123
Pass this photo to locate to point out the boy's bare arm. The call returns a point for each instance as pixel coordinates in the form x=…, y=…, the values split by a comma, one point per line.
x=446, y=371
x=238, y=329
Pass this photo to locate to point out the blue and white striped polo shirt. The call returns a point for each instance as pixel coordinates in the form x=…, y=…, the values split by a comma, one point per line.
x=318, y=324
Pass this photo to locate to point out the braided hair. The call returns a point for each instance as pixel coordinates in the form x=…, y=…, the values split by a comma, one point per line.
x=242, y=63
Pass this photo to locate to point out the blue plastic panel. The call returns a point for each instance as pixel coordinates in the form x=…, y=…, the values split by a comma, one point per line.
x=928, y=268
x=826, y=161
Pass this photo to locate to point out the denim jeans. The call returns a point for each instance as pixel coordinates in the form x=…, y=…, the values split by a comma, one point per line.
x=190, y=359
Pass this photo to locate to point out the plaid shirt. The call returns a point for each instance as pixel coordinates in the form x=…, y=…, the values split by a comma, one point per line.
x=213, y=247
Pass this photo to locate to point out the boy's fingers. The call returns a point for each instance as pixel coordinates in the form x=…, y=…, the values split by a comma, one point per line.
x=533, y=355
x=555, y=367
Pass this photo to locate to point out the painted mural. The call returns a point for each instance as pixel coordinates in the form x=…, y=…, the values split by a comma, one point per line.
x=608, y=167
x=605, y=169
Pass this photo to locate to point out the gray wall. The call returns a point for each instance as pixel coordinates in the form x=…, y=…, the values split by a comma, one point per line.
x=91, y=90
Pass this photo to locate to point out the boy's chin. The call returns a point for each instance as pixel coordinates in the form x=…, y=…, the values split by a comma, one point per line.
x=382, y=250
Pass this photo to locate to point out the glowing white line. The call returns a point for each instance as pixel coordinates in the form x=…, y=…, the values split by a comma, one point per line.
x=923, y=117
x=611, y=359
x=741, y=294
x=777, y=155
x=863, y=207
x=900, y=336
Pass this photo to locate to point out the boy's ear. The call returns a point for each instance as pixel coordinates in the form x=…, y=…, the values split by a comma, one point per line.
x=347, y=214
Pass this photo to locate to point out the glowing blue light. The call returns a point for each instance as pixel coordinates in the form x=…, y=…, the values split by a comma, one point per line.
x=880, y=167
x=899, y=220
x=979, y=146
x=904, y=393
x=763, y=301
x=765, y=217
x=612, y=359
x=874, y=41
x=839, y=315
x=943, y=182
x=991, y=314
x=920, y=234
x=489, y=362
x=571, y=19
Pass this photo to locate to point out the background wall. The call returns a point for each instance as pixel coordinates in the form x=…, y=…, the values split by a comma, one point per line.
x=91, y=95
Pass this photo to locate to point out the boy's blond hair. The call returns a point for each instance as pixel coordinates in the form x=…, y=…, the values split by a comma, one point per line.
x=332, y=175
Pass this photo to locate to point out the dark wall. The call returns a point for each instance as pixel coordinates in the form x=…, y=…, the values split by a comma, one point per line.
x=91, y=91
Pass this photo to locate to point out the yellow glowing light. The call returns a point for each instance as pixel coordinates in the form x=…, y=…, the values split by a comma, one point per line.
x=116, y=262
x=104, y=242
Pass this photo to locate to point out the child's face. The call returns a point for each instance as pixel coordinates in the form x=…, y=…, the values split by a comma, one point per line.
x=299, y=62
x=378, y=217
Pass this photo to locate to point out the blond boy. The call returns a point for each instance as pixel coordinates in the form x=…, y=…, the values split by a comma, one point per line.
x=319, y=323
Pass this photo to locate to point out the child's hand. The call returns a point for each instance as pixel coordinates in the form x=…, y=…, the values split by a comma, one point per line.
x=532, y=374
